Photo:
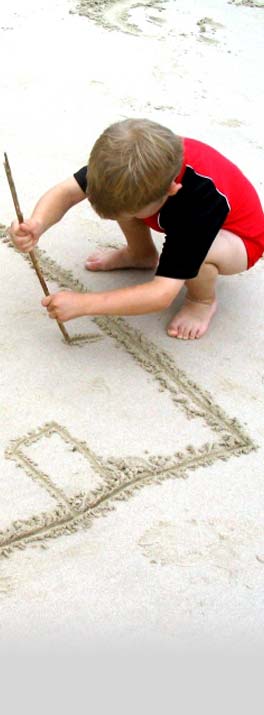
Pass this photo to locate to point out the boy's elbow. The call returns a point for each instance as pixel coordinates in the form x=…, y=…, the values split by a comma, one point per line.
x=167, y=291
x=165, y=301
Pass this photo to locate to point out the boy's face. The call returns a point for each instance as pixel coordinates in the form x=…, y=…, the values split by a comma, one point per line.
x=155, y=206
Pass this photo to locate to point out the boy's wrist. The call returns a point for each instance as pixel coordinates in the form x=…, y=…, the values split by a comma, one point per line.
x=89, y=303
x=39, y=224
x=133, y=300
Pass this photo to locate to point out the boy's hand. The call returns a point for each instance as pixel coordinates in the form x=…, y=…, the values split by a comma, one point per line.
x=25, y=235
x=65, y=305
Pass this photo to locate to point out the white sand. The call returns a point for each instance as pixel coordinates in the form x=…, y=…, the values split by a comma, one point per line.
x=182, y=559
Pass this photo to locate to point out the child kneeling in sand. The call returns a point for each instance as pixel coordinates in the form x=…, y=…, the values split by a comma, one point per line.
x=144, y=176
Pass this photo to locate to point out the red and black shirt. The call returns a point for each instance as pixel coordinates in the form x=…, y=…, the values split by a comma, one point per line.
x=215, y=194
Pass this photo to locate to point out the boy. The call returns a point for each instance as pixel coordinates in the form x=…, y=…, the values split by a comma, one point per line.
x=143, y=175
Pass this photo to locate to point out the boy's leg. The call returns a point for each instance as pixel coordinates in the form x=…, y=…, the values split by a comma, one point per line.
x=226, y=256
x=140, y=251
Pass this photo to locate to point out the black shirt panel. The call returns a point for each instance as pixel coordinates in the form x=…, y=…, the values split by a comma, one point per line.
x=81, y=178
x=191, y=220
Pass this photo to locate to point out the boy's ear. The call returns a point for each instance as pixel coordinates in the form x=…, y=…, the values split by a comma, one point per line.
x=174, y=188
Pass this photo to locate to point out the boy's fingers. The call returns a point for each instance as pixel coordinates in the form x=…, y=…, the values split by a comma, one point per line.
x=28, y=230
x=20, y=238
x=22, y=229
x=25, y=226
x=26, y=247
x=27, y=243
x=46, y=301
x=19, y=229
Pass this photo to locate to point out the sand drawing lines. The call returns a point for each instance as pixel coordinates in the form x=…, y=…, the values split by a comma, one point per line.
x=88, y=486
x=104, y=482
x=116, y=15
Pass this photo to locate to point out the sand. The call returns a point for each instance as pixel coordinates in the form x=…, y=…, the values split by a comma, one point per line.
x=131, y=484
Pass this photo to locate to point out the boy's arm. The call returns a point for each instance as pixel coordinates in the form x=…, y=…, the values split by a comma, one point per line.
x=50, y=208
x=150, y=297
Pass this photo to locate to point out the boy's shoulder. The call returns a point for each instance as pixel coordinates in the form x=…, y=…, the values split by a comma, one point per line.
x=206, y=161
x=200, y=152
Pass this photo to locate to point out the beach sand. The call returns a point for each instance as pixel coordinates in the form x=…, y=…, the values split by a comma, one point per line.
x=131, y=489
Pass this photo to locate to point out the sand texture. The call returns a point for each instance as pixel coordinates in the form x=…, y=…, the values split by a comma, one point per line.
x=131, y=464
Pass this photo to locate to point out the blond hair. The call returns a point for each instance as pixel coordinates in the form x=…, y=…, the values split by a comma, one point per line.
x=131, y=165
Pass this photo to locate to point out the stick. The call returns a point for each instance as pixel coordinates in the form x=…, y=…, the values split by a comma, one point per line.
x=31, y=253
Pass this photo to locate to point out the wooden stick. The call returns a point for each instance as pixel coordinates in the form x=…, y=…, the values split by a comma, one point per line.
x=31, y=253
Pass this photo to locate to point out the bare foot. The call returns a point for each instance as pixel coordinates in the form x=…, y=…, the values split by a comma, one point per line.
x=110, y=259
x=192, y=320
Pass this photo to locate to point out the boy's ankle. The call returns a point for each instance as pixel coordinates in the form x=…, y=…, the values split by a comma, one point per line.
x=204, y=301
x=151, y=253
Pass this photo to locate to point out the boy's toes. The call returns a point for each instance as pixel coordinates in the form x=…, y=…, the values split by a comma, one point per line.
x=194, y=333
x=177, y=332
x=94, y=262
x=181, y=334
x=172, y=332
x=93, y=265
x=192, y=320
